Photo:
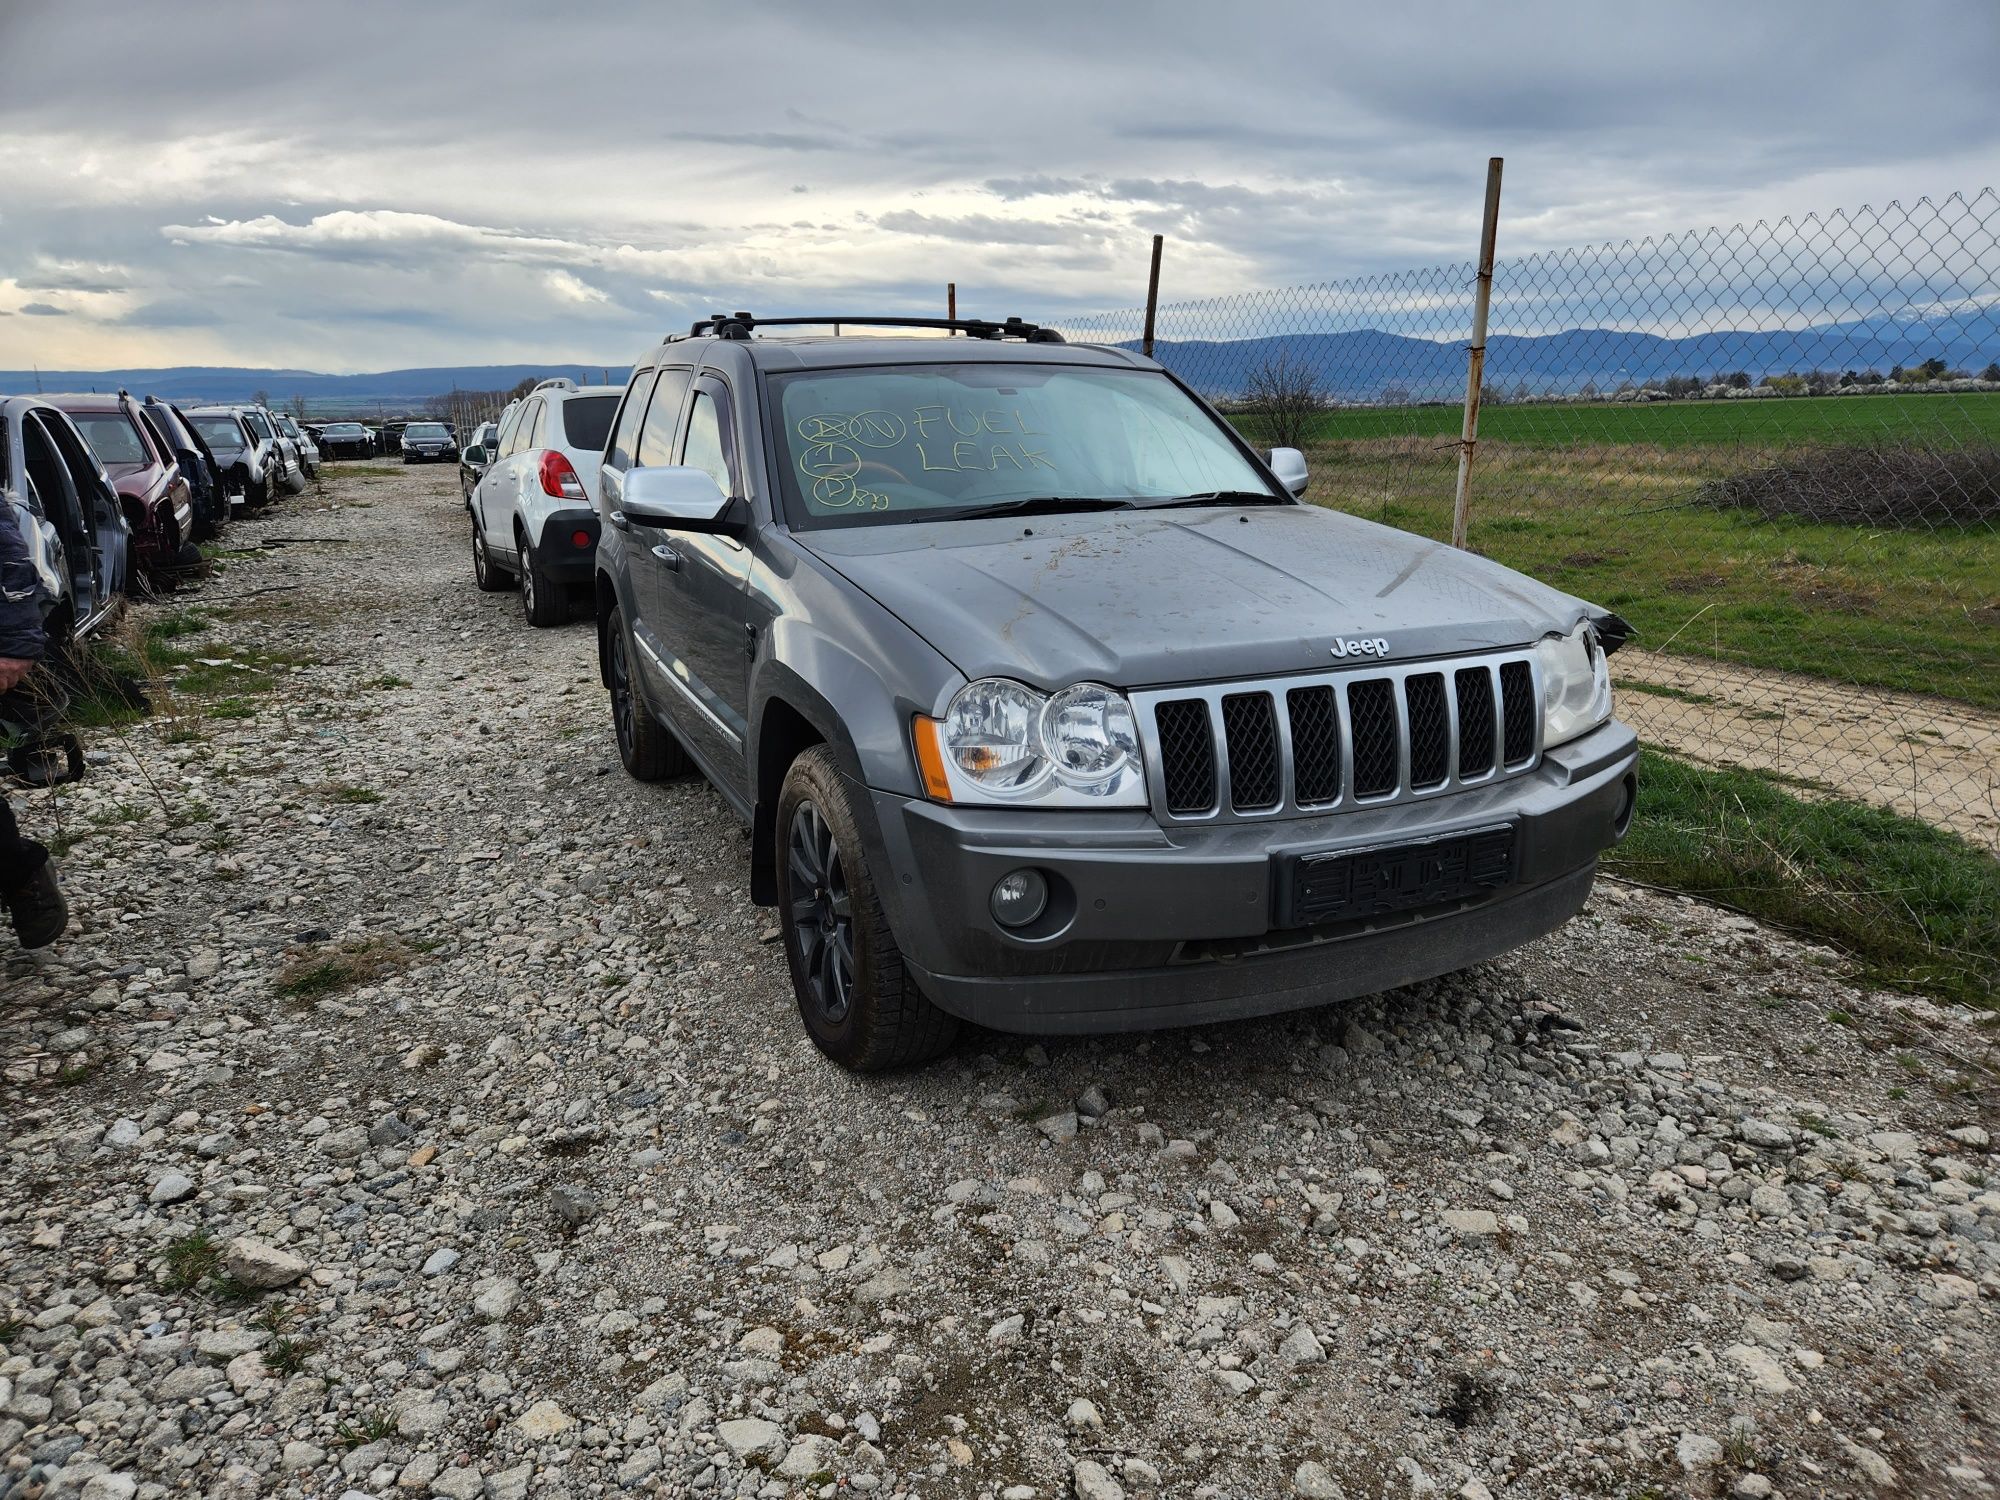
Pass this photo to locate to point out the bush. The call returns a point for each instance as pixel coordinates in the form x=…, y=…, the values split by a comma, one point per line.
x=1871, y=486
x=1287, y=395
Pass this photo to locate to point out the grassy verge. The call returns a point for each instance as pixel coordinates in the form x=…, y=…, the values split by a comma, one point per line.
x=1919, y=908
x=1913, y=610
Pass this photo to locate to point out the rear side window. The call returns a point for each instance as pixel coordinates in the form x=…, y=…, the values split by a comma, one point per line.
x=159, y=429
x=663, y=415
x=257, y=425
x=541, y=423
x=620, y=454
x=523, y=420
x=703, y=449
x=587, y=422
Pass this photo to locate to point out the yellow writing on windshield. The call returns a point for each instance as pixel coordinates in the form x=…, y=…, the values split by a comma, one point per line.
x=838, y=450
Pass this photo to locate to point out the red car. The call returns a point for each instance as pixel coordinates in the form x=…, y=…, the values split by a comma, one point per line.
x=159, y=507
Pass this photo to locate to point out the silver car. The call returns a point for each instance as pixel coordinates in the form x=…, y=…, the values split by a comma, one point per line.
x=303, y=445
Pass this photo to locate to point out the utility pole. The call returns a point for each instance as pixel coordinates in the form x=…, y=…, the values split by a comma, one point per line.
x=1475, y=358
x=1152, y=297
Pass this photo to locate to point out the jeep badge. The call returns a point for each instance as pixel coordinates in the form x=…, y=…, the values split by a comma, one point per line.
x=1367, y=645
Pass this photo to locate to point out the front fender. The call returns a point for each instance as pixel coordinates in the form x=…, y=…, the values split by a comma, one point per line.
x=862, y=703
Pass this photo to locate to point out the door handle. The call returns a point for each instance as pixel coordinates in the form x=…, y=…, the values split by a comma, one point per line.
x=668, y=557
x=617, y=519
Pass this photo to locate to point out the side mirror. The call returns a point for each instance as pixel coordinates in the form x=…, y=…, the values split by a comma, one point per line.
x=1289, y=465
x=675, y=497
x=475, y=454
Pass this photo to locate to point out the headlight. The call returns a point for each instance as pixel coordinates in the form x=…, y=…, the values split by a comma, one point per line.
x=1002, y=742
x=1576, y=684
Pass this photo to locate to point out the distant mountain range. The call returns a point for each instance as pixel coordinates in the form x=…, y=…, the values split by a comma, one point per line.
x=392, y=391
x=1359, y=365
x=1364, y=364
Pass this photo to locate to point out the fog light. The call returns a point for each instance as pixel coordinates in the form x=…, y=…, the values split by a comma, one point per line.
x=1019, y=898
x=580, y=539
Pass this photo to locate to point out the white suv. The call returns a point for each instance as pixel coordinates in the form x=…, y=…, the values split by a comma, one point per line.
x=532, y=517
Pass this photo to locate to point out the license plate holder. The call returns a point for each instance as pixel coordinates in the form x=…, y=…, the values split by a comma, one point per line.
x=1343, y=885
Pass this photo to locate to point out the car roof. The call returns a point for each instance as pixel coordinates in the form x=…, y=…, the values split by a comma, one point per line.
x=559, y=393
x=93, y=401
x=835, y=350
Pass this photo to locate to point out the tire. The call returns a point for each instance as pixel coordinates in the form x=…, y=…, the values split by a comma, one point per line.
x=489, y=575
x=857, y=1001
x=543, y=601
x=645, y=748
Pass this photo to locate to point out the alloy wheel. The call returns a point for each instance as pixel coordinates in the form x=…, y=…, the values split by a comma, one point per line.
x=822, y=913
x=622, y=707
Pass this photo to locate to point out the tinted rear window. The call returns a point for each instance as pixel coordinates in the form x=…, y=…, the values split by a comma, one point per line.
x=587, y=422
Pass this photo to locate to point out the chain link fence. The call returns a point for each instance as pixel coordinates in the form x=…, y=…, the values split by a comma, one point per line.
x=1775, y=450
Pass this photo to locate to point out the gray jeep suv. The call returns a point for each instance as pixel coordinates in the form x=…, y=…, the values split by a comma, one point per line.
x=1051, y=706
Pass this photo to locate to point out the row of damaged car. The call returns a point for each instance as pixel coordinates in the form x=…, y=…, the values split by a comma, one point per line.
x=115, y=494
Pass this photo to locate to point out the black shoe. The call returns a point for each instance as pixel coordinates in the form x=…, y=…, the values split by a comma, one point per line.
x=38, y=909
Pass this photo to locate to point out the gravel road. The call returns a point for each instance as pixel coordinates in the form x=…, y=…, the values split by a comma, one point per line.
x=418, y=1108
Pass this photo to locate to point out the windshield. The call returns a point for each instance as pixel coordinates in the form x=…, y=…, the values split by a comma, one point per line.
x=113, y=436
x=342, y=429
x=424, y=431
x=587, y=422
x=904, y=443
x=291, y=427
x=219, y=432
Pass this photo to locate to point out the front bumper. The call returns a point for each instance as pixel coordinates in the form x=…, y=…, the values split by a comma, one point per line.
x=1167, y=927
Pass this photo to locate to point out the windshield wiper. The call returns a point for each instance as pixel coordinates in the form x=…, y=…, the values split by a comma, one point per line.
x=1218, y=497
x=1037, y=505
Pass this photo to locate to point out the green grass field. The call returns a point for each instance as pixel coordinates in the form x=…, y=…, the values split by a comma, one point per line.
x=1603, y=501
x=1771, y=422
x=1918, y=907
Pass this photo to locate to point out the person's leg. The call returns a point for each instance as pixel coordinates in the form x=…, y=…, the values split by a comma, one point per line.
x=28, y=885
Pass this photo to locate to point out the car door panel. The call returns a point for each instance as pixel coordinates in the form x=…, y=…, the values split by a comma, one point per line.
x=700, y=582
x=499, y=492
x=650, y=557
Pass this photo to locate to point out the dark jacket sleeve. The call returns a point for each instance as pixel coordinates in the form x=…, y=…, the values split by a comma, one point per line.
x=20, y=591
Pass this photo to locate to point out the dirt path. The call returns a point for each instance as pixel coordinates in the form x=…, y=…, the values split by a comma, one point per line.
x=1927, y=757
x=419, y=1108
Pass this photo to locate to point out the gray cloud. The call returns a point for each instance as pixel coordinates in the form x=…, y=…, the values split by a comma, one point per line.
x=393, y=206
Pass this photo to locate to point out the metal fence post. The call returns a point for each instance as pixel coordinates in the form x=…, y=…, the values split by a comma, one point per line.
x=1152, y=297
x=1475, y=358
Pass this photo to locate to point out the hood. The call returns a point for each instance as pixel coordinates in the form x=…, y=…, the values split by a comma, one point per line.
x=1139, y=600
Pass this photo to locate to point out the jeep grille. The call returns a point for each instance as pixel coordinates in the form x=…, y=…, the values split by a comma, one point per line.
x=1341, y=739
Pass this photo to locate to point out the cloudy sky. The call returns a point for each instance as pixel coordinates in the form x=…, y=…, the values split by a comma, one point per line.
x=367, y=187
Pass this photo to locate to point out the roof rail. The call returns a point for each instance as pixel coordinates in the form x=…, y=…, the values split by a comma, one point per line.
x=555, y=382
x=740, y=325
